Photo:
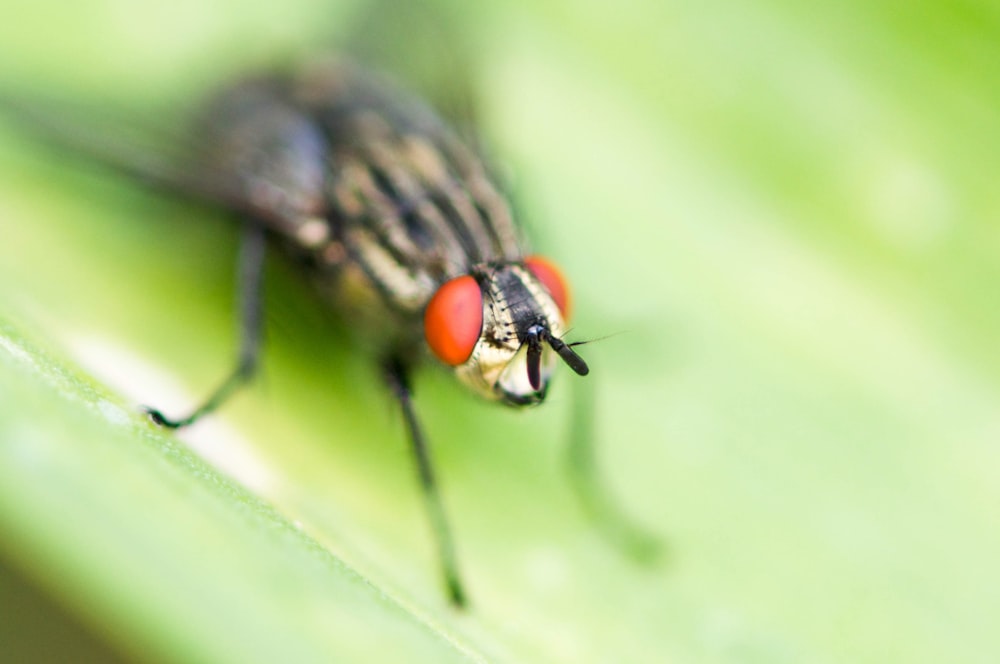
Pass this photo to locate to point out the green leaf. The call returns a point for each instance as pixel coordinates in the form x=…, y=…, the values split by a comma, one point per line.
x=140, y=535
x=784, y=217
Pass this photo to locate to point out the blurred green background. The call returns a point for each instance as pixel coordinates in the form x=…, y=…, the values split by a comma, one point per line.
x=789, y=213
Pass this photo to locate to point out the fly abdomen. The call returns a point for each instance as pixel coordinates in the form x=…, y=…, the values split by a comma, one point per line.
x=270, y=151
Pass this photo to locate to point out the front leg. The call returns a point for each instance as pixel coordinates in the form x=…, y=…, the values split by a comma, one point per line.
x=397, y=376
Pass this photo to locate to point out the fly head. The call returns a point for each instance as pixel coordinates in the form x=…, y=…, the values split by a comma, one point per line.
x=501, y=328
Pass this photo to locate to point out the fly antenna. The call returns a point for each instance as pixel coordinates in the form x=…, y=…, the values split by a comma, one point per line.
x=568, y=355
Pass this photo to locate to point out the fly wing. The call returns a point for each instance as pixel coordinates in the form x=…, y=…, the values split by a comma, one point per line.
x=259, y=140
x=426, y=45
x=178, y=161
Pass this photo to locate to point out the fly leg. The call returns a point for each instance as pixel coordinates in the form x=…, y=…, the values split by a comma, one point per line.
x=250, y=279
x=608, y=516
x=398, y=379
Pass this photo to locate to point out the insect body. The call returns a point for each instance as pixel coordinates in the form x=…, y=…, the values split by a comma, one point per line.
x=402, y=229
x=391, y=211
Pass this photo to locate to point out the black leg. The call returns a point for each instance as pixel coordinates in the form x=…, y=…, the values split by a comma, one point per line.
x=592, y=492
x=398, y=379
x=250, y=277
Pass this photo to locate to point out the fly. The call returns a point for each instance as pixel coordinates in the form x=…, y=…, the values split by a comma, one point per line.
x=399, y=224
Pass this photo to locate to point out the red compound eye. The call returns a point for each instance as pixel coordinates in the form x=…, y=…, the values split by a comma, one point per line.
x=454, y=319
x=552, y=279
